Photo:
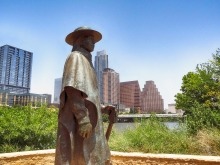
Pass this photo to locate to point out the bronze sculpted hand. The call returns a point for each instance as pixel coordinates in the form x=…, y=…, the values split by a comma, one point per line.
x=85, y=130
x=110, y=110
x=78, y=108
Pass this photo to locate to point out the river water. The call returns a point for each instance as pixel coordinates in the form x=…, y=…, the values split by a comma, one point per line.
x=123, y=126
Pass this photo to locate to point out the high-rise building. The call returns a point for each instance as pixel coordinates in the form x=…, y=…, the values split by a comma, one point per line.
x=130, y=94
x=110, y=87
x=101, y=62
x=151, y=100
x=15, y=69
x=57, y=90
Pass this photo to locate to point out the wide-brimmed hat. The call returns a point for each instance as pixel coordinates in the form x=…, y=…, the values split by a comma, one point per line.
x=83, y=30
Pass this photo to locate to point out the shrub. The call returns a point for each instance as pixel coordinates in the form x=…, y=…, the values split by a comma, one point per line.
x=25, y=128
x=200, y=117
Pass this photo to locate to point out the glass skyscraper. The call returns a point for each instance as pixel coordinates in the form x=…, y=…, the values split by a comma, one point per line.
x=15, y=69
x=57, y=90
x=101, y=62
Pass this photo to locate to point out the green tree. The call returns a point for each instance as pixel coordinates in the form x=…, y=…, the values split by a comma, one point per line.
x=215, y=62
x=133, y=111
x=200, y=87
x=200, y=95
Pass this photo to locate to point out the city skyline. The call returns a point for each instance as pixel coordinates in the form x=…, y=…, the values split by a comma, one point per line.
x=145, y=40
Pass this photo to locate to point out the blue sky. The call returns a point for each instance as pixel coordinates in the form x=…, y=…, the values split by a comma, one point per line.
x=159, y=40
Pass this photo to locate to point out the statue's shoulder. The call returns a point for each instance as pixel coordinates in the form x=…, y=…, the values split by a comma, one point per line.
x=75, y=54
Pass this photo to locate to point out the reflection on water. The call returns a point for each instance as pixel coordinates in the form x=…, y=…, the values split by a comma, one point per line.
x=171, y=125
x=118, y=127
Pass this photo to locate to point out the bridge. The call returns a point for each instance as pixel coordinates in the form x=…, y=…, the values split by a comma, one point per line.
x=130, y=117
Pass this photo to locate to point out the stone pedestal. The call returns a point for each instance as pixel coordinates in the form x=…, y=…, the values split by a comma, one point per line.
x=46, y=157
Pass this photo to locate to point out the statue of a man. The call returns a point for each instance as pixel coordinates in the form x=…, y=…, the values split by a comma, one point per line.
x=80, y=137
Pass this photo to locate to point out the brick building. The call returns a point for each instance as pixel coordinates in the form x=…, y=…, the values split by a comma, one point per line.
x=110, y=86
x=130, y=94
x=151, y=100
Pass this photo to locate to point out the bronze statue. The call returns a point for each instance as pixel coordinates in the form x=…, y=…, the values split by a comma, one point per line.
x=80, y=137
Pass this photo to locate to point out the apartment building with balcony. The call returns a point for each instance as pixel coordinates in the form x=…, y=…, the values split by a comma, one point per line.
x=15, y=69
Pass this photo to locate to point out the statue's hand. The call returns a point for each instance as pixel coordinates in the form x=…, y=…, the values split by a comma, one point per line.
x=111, y=111
x=107, y=109
x=85, y=130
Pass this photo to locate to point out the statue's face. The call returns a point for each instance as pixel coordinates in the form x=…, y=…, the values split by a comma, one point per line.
x=88, y=43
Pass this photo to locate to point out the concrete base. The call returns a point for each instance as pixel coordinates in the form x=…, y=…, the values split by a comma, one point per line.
x=46, y=157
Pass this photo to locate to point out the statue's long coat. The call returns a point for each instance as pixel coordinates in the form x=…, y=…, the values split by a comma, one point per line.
x=71, y=148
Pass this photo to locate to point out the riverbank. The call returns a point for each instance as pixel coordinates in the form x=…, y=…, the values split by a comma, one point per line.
x=156, y=137
x=46, y=157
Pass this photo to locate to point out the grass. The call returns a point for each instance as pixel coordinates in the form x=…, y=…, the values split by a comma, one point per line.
x=152, y=136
